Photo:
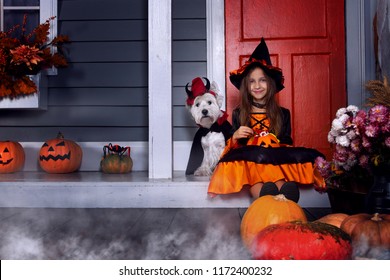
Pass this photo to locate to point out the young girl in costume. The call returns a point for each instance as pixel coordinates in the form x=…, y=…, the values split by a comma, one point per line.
x=259, y=155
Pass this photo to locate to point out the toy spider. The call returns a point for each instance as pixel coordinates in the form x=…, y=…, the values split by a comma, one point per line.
x=116, y=149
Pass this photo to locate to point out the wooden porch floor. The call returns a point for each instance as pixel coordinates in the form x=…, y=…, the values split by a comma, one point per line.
x=118, y=233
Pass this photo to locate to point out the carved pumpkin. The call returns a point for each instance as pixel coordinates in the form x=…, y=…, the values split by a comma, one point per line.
x=334, y=219
x=114, y=163
x=269, y=140
x=60, y=155
x=368, y=231
x=302, y=241
x=12, y=157
x=268, y=210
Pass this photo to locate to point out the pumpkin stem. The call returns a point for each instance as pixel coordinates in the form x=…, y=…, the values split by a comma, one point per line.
x=376, y=218
x=60, y=135
x=280, y=197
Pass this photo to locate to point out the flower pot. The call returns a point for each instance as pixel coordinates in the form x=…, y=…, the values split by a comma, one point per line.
x=378, y=199
x=348, y=202
x=36, y=100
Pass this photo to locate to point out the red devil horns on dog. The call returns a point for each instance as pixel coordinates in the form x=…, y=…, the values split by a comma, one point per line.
x=198, y=88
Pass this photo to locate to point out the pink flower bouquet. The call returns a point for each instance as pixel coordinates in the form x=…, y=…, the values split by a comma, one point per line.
x=361, y=142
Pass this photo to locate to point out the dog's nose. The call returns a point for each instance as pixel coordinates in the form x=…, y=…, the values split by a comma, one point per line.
x=205, y=112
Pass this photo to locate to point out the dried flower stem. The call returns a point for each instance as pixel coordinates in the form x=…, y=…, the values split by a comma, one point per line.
x=380, y=92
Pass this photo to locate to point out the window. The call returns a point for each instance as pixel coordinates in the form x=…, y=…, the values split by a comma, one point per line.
x=37, y=11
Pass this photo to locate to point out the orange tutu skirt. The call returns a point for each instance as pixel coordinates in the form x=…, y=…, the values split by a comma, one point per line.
x=231, y=177
x=235, y=173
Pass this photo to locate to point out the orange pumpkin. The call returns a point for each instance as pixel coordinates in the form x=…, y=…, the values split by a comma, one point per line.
x=373, y=230
x=12, y=156
x=334, y=219
x=268, y=210
x=302, y=241
x=60, y=155
x=114, y=163
x=269, y=140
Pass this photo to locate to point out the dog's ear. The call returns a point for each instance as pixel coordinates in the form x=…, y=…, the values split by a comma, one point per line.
x=215, y=88
x=219, y=100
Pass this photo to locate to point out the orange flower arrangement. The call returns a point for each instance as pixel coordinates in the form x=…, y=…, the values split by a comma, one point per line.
x=27, y=55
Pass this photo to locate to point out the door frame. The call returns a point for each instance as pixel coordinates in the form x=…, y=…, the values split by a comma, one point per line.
x=360, y=54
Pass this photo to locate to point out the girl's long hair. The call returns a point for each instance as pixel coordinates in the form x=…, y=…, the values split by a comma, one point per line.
x=273, y=110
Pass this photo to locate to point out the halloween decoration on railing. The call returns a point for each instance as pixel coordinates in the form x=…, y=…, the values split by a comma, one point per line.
x=116, y=159
x=60, y=155
x=12, y=156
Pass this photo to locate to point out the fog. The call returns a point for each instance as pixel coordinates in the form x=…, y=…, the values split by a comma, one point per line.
x=123, y=234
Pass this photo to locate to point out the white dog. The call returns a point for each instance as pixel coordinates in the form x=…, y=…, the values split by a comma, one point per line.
x=204, y=103
x=213, y=144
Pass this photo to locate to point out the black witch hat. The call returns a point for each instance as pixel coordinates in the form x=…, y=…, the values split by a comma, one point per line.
x=260, y=57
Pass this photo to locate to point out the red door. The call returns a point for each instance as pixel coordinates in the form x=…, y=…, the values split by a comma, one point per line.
x=306, y=39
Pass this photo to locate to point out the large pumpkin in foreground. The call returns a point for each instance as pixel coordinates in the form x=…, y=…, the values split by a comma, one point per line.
x=268, y=210
x=60, y=155
x=12, y=156
x=302, y=241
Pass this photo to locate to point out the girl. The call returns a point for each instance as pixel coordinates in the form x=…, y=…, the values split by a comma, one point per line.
x=259, y=154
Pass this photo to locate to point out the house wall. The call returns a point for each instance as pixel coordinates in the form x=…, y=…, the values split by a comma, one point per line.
x=189, y=59
x=103, y=95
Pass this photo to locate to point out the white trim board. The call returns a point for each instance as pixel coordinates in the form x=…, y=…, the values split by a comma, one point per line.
x=215, y=23
x=132, y=190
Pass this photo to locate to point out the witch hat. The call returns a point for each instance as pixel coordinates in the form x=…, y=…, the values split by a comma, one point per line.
x=260, y=57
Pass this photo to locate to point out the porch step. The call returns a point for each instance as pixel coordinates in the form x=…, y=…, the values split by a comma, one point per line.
x=132, y=190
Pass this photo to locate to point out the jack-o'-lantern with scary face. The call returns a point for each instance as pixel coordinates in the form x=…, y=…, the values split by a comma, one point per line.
x=12, y=156
x=60, y=155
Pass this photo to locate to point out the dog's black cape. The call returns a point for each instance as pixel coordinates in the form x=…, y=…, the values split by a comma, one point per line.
x=196, y=154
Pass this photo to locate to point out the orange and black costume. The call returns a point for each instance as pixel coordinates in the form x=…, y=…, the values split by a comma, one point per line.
x=263, y=158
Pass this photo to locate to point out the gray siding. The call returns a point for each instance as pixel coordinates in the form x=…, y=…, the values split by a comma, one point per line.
x=189, y=59
x=103, y=95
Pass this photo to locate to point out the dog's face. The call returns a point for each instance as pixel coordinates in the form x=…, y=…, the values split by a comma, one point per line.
x=206, y=109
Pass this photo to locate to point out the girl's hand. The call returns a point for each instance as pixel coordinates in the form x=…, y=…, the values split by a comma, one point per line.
x=242, y=132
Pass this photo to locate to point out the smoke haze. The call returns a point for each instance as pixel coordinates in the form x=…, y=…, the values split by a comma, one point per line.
x=122, y=234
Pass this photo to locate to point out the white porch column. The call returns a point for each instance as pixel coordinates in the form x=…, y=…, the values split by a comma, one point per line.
x=48, y=9
x=215, y=24
x=160, y=89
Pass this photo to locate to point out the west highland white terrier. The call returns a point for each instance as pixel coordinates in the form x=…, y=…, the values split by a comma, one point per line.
x=204, y=103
